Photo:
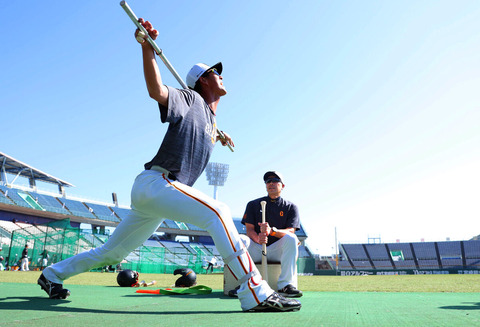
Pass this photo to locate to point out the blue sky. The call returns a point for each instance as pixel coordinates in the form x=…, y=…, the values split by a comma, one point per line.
x=370, y=109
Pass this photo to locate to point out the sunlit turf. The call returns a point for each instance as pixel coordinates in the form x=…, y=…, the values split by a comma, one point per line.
x=372, y=283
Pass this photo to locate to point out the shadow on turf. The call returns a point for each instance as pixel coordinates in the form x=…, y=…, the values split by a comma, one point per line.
x=467, y=306
x=213, y=295
x=23, y=303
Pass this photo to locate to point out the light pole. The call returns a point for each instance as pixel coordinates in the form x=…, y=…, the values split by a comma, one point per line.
x=216, y=175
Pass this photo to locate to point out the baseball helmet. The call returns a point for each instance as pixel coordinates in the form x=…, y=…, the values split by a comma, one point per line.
x=127, y=278
x=188, y=278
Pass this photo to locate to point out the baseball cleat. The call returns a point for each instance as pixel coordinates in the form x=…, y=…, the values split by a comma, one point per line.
x=54, y=290
x=233, y=293
x=290, y=291
x=277, y=303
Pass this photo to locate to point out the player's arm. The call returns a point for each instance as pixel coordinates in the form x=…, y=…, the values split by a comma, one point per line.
x=281, y=232
x=257, y=238
x=228, y=139
x=153, y=79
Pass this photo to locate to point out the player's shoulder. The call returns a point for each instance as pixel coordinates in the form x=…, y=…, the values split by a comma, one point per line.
x=257, y=201
x=287, y=203
x=185, y=91
x=188, y=95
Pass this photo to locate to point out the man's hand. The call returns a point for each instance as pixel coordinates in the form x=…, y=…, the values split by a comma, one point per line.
x=265, y=230
x=227, y=140
x=262, y=238
x=140, y=36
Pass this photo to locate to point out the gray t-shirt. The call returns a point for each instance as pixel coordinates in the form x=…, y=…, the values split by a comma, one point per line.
x=190, y=138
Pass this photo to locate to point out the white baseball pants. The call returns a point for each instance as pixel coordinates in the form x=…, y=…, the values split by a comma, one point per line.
x=285, y=250
x=24, y=264
x=154, y=198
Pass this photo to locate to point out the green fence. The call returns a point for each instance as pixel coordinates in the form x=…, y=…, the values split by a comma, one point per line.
x=59, y=240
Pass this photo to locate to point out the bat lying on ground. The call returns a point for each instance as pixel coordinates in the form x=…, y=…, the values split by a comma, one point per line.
x=144, y=284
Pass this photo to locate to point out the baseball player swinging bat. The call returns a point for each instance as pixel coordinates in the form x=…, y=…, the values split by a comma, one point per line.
x=159, y=52
x=264, y=246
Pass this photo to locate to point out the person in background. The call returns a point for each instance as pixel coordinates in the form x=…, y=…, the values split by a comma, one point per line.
x=278, y=232
x=211, y=264
x=24, y=261
x=45, y=257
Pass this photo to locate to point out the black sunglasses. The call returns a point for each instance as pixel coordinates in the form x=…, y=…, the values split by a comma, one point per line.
x=213, y=70
x=273, y=180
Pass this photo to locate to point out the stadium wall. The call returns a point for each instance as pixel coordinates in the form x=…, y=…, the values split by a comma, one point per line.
x=460, y=271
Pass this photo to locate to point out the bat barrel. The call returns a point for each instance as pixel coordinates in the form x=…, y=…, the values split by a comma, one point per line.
x=263, y=204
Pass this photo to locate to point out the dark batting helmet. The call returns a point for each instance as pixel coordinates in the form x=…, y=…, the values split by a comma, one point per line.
x=127, y=278
x=188, y=278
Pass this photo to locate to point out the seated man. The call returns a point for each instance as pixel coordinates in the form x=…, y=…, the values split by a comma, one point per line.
x=278, y=232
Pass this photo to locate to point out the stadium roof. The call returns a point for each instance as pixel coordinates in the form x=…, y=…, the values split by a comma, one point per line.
x=18, y=168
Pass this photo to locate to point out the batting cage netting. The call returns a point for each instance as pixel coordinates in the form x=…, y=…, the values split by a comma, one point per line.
x=58, y=240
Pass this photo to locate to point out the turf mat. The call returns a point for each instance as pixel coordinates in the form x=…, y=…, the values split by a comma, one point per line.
x=24, y=304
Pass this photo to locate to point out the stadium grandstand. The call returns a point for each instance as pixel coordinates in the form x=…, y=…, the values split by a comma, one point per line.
x=446, y=257
x=52, y=222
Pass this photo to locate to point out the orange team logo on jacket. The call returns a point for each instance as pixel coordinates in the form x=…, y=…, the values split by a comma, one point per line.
x=281, y=213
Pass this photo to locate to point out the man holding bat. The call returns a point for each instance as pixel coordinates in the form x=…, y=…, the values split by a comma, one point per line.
x=164, y=189
x=278, y=232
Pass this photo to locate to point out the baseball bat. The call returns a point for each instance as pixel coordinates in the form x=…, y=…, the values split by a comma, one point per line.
x=145, y=284
x=159, y=52
x=264, y=246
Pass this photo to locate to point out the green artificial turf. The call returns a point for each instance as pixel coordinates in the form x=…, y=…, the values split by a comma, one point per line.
x=446, y=300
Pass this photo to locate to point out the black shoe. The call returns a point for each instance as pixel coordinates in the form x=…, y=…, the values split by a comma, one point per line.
x=233, y=293
x=290, y=291
x=276, y=303
x=54, y=290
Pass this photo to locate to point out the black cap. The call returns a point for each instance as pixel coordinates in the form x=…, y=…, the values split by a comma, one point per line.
x=273, y=173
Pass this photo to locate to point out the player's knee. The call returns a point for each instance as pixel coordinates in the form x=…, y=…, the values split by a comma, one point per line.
x=245, y=239
x=111, y=257
x=291, y=239
x=223, y=210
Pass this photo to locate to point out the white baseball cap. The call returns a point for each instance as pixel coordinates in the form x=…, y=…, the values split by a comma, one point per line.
x=198, y=70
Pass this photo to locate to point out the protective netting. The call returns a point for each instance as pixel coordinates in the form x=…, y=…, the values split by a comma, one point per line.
x=56, y=241
x=164, y=260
